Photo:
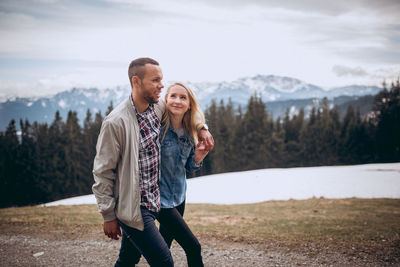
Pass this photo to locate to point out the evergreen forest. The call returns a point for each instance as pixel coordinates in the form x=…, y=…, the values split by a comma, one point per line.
x=51, y=162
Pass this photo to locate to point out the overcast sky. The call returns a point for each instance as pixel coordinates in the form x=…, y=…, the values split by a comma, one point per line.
x=48, y=46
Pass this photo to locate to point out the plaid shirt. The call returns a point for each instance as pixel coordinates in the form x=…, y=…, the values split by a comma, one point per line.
x=149, y=157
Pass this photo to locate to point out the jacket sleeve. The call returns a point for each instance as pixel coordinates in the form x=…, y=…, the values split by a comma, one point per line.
x=160, y=109
x=104, y=170
x=191, y=165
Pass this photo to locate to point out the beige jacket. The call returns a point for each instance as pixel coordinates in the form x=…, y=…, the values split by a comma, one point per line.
x=116, y=169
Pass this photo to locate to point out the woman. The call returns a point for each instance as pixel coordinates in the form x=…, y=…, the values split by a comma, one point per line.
x=180, y=152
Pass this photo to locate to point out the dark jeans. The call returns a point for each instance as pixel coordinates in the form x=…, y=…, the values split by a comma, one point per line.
x=172, y=226
x=148, y=243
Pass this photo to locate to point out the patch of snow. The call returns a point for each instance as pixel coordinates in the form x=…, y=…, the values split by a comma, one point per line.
x=293, y=111
x=89, y=94
x=361, y=181
x=121, y=93
x=29, y=104
x=62, y=103
x=88, y=199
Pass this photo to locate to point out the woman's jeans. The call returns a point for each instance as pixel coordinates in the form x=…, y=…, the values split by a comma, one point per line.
x=148, y=243
x=172, y=226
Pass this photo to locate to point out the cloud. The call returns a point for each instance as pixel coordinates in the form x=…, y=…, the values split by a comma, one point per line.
x=196, y=40
x=332, y=8
x=363, y=36
x=347, y=71
x=389, y=74
x=368, y=76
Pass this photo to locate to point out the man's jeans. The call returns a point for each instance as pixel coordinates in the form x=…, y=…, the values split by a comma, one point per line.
x=148, y=243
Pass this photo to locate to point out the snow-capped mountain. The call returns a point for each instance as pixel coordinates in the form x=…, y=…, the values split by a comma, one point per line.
x=270, y=88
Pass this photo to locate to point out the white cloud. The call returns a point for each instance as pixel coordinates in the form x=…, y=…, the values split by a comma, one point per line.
x=331, y=8
x=194, y=41
x=347, y=71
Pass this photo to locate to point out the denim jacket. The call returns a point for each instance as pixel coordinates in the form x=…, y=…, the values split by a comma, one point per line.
x=177, y=156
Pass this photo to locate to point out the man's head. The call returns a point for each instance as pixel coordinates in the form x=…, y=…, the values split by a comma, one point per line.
x=145, y=77
x=136, y=68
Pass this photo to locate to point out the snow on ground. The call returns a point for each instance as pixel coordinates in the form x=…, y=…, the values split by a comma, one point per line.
x=362, y=181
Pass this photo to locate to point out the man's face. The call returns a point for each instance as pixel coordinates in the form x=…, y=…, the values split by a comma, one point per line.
x=150, y=85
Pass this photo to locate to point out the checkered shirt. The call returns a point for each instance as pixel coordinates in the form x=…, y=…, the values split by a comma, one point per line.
x=149, y=157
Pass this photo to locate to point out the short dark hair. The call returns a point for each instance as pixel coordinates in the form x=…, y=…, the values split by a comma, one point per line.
x=136, y=68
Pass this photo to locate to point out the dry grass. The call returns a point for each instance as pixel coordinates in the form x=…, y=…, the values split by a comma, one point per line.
x=313, y=219
x=358, y=226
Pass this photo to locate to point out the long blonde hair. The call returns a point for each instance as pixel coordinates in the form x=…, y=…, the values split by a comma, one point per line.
x=192, y=120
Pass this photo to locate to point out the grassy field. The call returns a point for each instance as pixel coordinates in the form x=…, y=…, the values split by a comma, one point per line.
x=359, y=227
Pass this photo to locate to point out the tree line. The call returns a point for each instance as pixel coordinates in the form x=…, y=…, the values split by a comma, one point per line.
x=253, y=140
x=50, y=162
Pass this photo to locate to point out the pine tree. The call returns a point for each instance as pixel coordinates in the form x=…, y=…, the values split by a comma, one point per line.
x=43, y=161
x=30, y=191
x=255, y=152
x=57, y=165
x=275, y=147
x=310, y=140
x=292, y=129
x=325, y=133
x=89, y=145
x=347, y=137
x=356, y=141
x=222, y=150
x=9, y=173
x=76, y=183
x=211, y=119
x=95, y=129
x=332, y=135
x=387, y=120
x=109, y=108
x=237, y=143
x=4, y=202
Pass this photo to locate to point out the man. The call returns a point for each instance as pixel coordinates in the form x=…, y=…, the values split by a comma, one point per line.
x=126, y=168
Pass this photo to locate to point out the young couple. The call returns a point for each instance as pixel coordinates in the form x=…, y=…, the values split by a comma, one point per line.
x=144, y=148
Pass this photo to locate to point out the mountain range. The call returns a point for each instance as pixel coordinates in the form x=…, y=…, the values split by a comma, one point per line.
x=279, y=93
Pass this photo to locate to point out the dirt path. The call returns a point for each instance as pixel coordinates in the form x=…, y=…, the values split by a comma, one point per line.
x=60, y=249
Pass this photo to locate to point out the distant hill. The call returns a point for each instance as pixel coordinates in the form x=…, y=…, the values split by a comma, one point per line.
x=278, y=108
x=280, y=93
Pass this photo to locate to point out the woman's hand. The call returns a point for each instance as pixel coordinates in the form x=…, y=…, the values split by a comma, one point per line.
x=200, y=152
x=207, y=139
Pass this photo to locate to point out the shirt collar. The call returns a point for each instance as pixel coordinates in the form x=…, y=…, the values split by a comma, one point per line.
x=184, y=137
x=149, y=108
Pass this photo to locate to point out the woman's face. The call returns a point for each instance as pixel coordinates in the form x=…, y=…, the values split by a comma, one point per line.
x=178, y=101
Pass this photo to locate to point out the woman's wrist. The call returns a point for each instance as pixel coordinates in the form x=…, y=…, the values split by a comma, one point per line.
x=197, y=164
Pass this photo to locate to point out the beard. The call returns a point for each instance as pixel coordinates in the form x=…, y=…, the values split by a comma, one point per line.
x=151, y=99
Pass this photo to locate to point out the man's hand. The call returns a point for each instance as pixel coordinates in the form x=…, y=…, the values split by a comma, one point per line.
x=112, y=230
x=207, y=139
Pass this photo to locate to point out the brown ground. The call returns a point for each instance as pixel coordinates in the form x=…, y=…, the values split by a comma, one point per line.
x=39, y=247
x=314, y=232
